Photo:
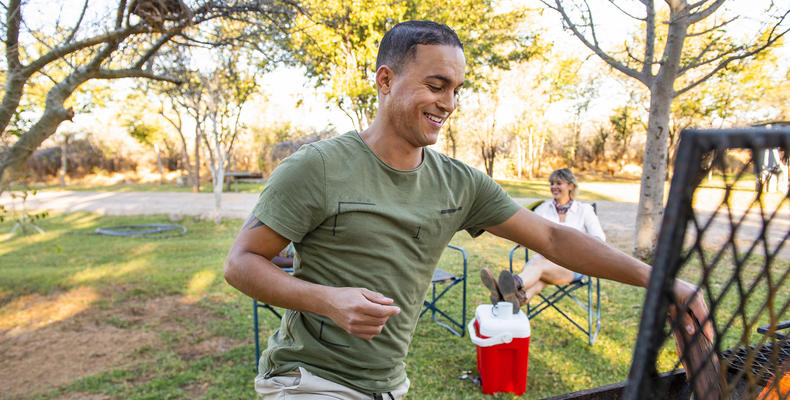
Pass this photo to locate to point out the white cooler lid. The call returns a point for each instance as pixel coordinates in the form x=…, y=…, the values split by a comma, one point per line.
x=492, y=325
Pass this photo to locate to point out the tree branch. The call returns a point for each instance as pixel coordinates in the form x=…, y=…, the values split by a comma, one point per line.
x=650, y=38
x=635, y=58
x=696, y=63
x=133, y=73
x=155, y=48
x=626, y=12
x=596, y=49
x=768, y=43
x=61, y=51
x=13, y=19
x=77, y=25
x=119, y=14
x=721, y=25
x=695, y=17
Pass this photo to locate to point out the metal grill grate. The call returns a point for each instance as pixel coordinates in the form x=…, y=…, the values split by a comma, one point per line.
x=725, y=229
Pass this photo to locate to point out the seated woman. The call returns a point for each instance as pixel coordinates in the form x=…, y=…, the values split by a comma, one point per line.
x=540, y=272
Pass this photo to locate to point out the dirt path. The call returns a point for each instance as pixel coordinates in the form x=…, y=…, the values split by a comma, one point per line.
x=617, y=218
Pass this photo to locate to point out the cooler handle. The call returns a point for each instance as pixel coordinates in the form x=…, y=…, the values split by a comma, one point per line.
x=492, y=341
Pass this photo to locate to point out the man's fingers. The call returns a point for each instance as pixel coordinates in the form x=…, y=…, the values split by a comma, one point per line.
x=701, y=313
x=381, y=305
x=376, y=297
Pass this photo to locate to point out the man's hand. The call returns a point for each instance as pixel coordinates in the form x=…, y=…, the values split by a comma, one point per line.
x=687, y=293
x=360, y=312
x=696, y=351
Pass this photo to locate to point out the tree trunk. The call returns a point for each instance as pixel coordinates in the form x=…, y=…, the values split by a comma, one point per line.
x=186, y=168
x=12, y=166
x=489, y=154
x=519, y=157
x=14, y=87
x=651, y=195
x=64, y=161
x=196, y=174
x=450, y=135
x=217, y=170
x=159, y=164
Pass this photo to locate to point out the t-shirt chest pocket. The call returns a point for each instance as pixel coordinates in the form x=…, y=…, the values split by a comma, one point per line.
x=353, y=218
x=366, y=222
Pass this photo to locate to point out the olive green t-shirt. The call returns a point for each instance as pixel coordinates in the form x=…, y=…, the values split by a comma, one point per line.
x=357, y=222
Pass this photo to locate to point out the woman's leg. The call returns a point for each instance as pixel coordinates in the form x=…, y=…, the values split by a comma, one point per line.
x=540, y=272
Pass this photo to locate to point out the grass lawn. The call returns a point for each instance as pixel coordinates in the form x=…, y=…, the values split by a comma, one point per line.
x=86, y=316
x=194, y=332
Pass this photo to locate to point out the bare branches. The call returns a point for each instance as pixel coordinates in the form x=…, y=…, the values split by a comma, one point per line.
x=697, y=63
x=70, y=37
x=133, y=73
x=695, y=17
x=626, y=12
x=715, y=27
x=153, y=50
x=61, y=51
x=773, y=36
x=594, y=45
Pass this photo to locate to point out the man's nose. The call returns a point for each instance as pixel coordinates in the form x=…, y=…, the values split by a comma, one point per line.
x=447, y=102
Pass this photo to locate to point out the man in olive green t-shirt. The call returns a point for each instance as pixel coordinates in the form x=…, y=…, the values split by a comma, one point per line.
x=369, y=214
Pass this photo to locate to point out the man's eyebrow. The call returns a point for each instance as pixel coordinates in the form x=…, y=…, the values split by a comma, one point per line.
x=443, y=79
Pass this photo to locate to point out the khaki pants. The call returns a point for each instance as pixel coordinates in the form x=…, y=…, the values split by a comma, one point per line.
x=301, y=384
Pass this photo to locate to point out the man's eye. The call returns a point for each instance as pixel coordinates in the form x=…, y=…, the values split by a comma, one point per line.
x=434, y=88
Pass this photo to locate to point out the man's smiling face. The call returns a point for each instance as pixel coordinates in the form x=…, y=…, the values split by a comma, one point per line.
x=424, y=91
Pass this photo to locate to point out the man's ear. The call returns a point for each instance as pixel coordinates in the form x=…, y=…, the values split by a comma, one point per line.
x=384, y=77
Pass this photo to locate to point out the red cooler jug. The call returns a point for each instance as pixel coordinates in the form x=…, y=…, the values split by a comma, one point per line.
x=502, y=340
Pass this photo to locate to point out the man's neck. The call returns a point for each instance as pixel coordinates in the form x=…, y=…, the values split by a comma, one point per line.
x=392, y=149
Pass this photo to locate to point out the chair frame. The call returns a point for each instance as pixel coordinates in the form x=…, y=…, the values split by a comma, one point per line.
x=255, y=306
x=562, y=291
x=441, y=277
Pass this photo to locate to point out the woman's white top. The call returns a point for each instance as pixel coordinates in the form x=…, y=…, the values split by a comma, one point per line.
x=580, y=216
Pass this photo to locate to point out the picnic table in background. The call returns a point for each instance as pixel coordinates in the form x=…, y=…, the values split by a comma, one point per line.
x=243, y=176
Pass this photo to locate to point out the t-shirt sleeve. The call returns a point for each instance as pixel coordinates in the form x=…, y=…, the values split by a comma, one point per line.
x=491, y=205
x=293, y=201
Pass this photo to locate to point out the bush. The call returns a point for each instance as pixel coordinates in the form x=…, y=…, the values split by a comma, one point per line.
x=83, y=157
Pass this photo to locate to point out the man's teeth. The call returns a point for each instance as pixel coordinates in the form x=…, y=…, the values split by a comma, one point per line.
x=433, y=118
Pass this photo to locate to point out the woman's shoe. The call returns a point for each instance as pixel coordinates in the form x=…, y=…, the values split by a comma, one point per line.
x=490, y=282
x=512, y=289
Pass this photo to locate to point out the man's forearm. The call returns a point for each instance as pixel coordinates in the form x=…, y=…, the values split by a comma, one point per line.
x=262, y=280
x=587, y=255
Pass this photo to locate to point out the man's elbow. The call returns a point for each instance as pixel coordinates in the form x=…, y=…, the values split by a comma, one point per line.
x=232, y=269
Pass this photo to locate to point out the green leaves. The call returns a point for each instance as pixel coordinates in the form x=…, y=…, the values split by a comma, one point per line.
x=337, y=43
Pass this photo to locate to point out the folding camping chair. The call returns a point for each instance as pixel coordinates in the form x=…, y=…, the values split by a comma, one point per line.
x=592, y=306
x=449, y=280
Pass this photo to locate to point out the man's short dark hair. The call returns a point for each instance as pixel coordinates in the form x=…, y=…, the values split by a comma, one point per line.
x=399, y=44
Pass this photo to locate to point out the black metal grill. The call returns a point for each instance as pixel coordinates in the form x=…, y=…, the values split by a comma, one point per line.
x=758, y=360
x=723, y=231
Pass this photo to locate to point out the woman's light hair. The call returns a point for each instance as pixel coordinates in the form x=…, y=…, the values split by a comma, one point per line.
x=567, y=176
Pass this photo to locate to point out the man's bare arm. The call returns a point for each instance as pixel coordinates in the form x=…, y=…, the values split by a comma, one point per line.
x=248, y=268
x=587, y=255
